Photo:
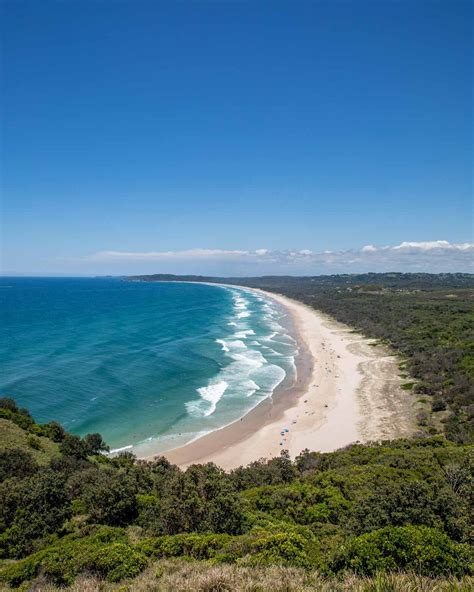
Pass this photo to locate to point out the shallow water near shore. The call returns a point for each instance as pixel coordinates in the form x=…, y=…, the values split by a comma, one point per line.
x=150, y=366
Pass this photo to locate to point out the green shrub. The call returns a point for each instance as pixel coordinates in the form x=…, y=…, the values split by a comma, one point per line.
x=104, y=551
x=16, y=463
x=164, y=546
x=439, y=405
x=22, y=571
x=302, y=503
x=41, y=507
x=34, y=442
x=426, y=551
x=117, y=561
x=197, y=546
x=106, y=534
x=78, y=507
x=108, y=496
x=59, y=566
x=53, y=430
x=279, y=549
x=256, y=549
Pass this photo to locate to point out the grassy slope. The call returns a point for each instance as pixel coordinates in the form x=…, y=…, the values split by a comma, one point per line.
x=12, y=436
x=193, y=576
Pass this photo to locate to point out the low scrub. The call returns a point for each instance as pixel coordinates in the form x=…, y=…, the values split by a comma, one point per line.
x=423, y=550
x=192, y=576
x=106, y=553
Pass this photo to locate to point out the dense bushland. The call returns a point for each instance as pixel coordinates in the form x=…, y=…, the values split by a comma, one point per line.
x=365, y=510
x=427, y=318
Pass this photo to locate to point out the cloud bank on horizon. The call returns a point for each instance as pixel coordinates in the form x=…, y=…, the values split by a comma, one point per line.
x=426, y=256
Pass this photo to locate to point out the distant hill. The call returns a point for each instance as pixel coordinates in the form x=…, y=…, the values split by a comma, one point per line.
x=421, y=281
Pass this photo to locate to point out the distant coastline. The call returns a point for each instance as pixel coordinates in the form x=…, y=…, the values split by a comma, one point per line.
x=347, y=389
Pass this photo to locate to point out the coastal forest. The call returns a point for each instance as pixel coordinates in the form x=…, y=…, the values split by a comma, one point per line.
x=383, y=516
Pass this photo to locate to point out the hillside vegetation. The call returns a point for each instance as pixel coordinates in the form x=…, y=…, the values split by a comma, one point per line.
x=427, y=318
x=339, y=520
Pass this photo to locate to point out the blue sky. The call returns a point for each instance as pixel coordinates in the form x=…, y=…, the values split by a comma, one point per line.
x=186, y=136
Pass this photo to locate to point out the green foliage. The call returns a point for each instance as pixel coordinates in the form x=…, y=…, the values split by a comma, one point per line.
x=197, y=546
x=367, y=508
x=54, y=431
x=34, y=442
x=22, y=571
x=13, y=437
x=16, y=463
x=105, y=553
x=116, y=562
x=423, y=550
x=74, y=447
x=95, y=444
x=260, y=548
x=412, y=502
x=36, y=507
x=203, y=499
x=265, y=472
x=21, y=417
x=8, y=404
x=302, y=503
x=439, y=405
x=109, y=497
x=279, y=549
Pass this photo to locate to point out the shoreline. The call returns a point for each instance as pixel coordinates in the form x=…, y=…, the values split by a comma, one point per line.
x=347, y=390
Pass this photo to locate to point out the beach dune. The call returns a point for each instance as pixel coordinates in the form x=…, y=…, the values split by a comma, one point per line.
x=347, y=390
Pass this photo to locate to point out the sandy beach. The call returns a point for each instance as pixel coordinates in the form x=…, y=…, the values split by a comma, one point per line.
x=348, y=389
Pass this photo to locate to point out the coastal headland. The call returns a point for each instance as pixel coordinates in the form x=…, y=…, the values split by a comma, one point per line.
x=348, y=389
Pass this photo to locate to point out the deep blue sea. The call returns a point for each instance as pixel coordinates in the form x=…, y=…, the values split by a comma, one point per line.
x=148, y=365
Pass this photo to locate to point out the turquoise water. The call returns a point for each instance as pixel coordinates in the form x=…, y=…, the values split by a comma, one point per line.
x=148, y=365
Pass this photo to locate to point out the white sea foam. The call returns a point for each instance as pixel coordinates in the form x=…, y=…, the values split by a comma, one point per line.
x=249, y=373
x=244, y=334
x=271, y=336
x=272, y=351
x=236, y=344
x=243, y=315
x=250, y=357
x=223, y=343
x=210, y=396
x=123, y=449
x=252, y=387
x=269, y=377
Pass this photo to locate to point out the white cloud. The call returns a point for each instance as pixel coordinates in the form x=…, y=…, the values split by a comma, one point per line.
x=430, y=245
x=429, y=256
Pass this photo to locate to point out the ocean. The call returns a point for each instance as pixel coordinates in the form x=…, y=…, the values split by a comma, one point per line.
x=150, y=366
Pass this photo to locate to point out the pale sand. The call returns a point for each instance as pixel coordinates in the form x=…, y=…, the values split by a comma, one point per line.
x=347, y=391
